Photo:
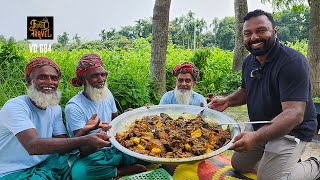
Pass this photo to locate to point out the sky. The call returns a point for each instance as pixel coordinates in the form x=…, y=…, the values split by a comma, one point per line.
x=89, y=17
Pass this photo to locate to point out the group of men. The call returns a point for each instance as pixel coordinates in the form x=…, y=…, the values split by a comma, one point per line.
x=275, y=86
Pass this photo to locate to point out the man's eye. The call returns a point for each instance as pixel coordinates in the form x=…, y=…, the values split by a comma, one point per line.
x=247, y=34
x=104, y=74
x=55, y=78
x=94, y=76
x=262, y=31
x=42, y=77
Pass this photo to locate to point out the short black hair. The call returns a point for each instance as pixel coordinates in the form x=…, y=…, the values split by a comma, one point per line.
x=259, y=12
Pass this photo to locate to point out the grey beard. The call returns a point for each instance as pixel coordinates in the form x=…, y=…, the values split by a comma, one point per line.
x=43, y=100
x=182, y=96
x=96, y=94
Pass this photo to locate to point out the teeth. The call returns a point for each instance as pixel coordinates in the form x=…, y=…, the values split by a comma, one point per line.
x=47, y=88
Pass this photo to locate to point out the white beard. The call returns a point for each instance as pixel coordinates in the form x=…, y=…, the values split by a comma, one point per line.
x=96, y=94
x=43, y=100
x=182, y=96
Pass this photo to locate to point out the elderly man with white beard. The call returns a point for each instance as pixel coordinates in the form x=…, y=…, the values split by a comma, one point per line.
x=186, y=76
x=90, y=111
x=31, y=129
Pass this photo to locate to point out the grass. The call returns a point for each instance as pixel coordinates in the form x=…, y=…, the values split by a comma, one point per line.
x=238, y=113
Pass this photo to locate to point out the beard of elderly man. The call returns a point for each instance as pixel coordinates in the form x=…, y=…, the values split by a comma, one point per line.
x=97, y=94
x=183, y=96
x=43, y=100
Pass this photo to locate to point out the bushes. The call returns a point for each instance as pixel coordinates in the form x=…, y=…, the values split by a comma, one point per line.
x=11, y=66
x=128, y=69
x=215, y=71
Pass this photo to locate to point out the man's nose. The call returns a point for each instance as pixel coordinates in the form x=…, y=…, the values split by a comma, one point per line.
x=254, y=37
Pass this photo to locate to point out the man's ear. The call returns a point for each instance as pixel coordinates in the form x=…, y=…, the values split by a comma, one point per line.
x=81, y=79
x=28, y=81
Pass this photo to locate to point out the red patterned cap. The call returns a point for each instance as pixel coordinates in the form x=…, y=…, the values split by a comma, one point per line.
x=38, y=62
x=87, y=61
x=186, y=67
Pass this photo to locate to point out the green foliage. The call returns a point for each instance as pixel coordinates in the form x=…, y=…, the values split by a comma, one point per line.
x=63, y=39
x=200, y=59
x=225, y=36
x=217, y=76
x=128, y=69
x=300, y=46
x=293, y=24
x=11, y=62
x=316, y=99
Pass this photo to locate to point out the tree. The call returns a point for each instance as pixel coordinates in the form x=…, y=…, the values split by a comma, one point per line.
x=143, y=27
x=226, y=33
x=77, y=39
x=63, y=39
x=111, y=34
x=314, y=46
x=240, y=52
x=103, y=35
x=160, y=24
x=293, y=24
x=11, y=40
x=128, y=31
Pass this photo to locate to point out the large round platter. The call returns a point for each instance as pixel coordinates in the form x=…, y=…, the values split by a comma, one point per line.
x=123, y=121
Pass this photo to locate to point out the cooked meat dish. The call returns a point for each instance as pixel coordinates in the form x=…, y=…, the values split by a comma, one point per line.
x=163, y=136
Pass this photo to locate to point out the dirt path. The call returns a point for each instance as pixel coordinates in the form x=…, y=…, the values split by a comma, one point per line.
x=312, y=150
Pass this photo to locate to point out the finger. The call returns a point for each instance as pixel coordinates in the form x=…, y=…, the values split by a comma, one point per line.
x=106, y=127
x=102, y=144
x=238, y=137
x=235, y=145
x=103, y=136
x=97, y=124
x=214, y=100
x=94, y=116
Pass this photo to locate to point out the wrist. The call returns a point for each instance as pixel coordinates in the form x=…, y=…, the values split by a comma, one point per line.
x=259, y=137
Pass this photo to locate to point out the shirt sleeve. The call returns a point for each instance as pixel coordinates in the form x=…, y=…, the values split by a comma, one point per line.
x=74, y=117
x=294, y=81
x=164, y=99
x=16, y=117
x=58, y=126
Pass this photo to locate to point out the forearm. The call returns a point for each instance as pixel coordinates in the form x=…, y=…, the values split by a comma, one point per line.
x=281, y=125
x=237, y=98
x=54, y=145
x=81, y=132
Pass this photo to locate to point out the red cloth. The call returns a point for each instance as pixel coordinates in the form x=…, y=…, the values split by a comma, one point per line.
x=186, y=67
x=87, y=61
x=39, y=62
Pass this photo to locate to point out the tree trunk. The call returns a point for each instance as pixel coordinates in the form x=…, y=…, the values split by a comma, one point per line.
x=314, y=46
x=160, y=23
x=240, y=52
